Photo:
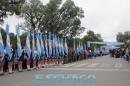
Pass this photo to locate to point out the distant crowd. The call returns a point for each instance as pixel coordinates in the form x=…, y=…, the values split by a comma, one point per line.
x=123, y=52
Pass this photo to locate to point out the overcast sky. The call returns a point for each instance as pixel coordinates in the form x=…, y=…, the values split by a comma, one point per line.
x=107, y=17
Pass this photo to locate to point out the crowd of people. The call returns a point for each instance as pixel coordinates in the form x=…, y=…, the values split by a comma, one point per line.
x=39, y=49
x=123, y=52
x=86, y=53
x=46, y=49
x=24, y=62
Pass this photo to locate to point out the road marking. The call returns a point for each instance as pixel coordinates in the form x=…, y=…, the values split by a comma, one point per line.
x=69, y=65
x=93, y=65
x=83, y=69
x=81, y=65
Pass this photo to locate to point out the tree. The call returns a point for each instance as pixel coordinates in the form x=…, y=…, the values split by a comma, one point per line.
x=62, y=19
x=51, y=18
x=12, y=38
x=91, y=36
x=9, y=7
x=70, y=19
x=123, y=37
x=33, y=12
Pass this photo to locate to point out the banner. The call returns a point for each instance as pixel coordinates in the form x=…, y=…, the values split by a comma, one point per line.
x=53, y=45
x=19, y=49
x=33, y=46
x=28, y=50
x=38, y=46
x=42, y=45
x=65, y=47
x=8, y=48
x=1, y=48
x=46, y=46
x=50, y=44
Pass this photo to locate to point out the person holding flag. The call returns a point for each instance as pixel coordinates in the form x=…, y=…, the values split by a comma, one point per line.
x=19, y=50
x=9, y=51
x=28, y=51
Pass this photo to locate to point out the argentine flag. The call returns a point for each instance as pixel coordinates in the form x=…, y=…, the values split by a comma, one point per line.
x=53, y=45
x=8, y=48
x=1, y=48
x=38, y=46
x=46, y=46
x=59, y=46
x=42, y=45
x=65, y=46
x=28, y=50
x=62, y=47
x=56, y=41
x=33, y=46
x=50, y=45
x=19, y=49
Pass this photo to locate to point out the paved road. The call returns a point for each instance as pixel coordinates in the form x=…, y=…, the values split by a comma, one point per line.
x=105, y=71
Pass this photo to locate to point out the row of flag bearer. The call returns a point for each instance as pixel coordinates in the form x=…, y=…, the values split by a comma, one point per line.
x=41, y=48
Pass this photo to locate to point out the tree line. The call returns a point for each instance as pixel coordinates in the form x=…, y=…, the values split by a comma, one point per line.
x=58, y=17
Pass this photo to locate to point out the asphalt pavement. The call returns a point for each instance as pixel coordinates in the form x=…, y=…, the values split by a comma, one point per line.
x=101, y=71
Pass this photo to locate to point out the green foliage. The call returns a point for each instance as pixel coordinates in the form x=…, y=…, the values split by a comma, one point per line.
x=12, y=38
x=8, y=7
x=90, y=36
x=123, y=37
x=56, y=17
x=33, y=13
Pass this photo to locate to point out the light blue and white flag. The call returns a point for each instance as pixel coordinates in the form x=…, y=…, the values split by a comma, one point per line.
x=53, y=46
x=42, y=45
x=33, y=46
x=8, y=48
x=50, y=45
x=1, y=48
x=78, y=48
x=19, y=49
x=38, y=46
x=59, y=46
x=65, y=47
x=46, y=46
x=62, y=47
x=28, y=50
x=56, y=42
